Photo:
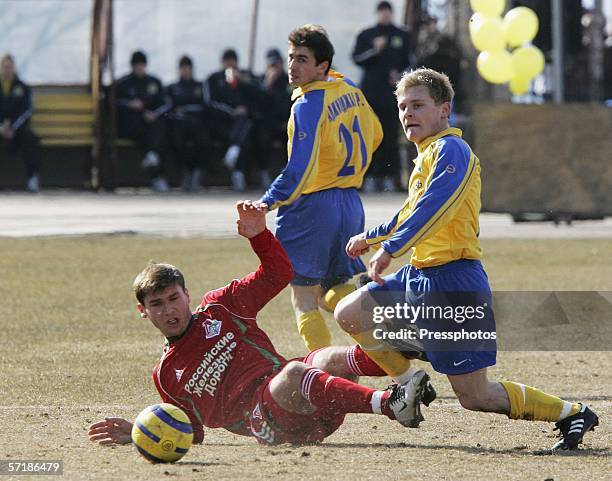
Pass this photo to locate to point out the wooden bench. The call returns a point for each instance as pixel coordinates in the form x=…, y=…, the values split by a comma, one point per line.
x=63, y=116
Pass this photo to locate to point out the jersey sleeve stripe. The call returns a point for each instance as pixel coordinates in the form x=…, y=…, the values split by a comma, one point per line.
x=440, y=213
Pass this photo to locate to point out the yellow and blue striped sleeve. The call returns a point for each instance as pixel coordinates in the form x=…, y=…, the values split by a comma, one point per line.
x=303, y=151
x=377, y=234
x=453, y=167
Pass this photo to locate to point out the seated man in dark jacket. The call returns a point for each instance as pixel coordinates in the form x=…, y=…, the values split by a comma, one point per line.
x=189, y=135
x=140, y=108
x=233, y=95
x=15, y=112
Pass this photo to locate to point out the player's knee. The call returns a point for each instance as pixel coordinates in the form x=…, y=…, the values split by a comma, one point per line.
x=344, y=314
x=294, y=370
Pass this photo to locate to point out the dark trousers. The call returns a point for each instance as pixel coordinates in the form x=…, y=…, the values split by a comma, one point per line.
x=238, y=131
x=148, y=136
x=267, y=131
x=190, y=140
x=27, y=143
x=386, y=162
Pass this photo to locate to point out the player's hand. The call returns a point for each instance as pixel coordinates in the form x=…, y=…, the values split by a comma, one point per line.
x=251, y=217
x=357, y=246
x=379, y=43
x=136, y=104
x=110, y=431
x=150, y=117
x=377, y=265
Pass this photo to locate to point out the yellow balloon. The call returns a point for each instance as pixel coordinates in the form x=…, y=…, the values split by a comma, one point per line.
x=488, y=7
x=520, y=26
x=527, y=62
x=487, y=33
x=519, y=85
x=495, y=67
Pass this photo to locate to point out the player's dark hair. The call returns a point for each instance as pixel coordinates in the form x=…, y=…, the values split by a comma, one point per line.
x=315, y=38
x=438, y=84
x=383, y=6
x=229, y=54
x=138, y=57
x=185, y=61
x=156, y=277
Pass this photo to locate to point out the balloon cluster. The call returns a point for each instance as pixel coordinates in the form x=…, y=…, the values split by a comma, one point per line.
x=490, y=34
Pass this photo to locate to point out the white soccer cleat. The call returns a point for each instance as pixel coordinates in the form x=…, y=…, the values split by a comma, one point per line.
x=405, y=400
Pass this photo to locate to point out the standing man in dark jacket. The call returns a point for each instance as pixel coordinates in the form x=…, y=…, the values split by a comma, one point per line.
x=140, y=108
x=15, y=112
x=189, y=136
x=384, y=52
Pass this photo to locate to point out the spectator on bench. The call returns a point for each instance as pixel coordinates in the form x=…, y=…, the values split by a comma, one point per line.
x=140, y=108
x=275, y=108
x=15, y=112
x=233, y=94
x=190, y=137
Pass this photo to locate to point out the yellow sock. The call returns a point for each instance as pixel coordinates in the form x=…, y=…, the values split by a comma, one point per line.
x=313, y=330
x=532, y=404
x=334, y=294
x=392, y=362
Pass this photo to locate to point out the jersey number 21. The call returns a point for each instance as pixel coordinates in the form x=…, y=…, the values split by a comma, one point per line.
x=345, y=136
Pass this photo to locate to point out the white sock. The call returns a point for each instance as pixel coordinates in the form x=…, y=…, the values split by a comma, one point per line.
x=376, y=402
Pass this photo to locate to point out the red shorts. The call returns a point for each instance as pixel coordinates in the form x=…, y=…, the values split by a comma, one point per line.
x=271, y=424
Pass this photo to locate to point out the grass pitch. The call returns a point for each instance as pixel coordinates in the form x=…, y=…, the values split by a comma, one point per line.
x=75, y=349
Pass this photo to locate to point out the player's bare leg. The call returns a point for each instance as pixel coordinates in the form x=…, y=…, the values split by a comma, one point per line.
x=354, y=315
x=476, y=393
x=310, y=322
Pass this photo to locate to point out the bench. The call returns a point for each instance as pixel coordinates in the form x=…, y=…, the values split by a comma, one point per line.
x=63, y=116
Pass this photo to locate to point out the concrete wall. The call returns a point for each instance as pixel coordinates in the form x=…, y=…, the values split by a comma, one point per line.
x=545, y=158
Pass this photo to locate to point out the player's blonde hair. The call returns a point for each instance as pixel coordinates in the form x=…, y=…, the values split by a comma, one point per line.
x=156, y=277
x=438, y=84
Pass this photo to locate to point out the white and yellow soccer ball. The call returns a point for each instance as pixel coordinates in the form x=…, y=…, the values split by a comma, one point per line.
x=162, y=433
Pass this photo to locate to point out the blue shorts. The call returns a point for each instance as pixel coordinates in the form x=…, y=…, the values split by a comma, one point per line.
x=314, y=231
x=449, y=308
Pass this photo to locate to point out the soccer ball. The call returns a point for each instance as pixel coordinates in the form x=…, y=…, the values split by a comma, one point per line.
x=162, y=433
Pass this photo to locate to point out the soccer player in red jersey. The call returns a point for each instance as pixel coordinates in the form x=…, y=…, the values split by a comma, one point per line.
x=223, y=371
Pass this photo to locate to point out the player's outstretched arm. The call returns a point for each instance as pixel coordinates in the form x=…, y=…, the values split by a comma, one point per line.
x=251, y=217
x=111, y=431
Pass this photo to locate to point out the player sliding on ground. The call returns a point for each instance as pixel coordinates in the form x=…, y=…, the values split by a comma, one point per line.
x=224, y=372
x=440, y=221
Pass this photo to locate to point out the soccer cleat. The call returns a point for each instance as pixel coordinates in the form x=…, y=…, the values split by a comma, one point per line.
x=362, y=280
x=573, y=428
x=405, y=399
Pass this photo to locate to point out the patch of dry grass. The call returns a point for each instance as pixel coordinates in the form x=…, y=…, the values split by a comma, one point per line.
x=74, y=345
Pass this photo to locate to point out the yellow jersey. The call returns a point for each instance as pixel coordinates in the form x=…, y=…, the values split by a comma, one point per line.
x=332, y=133
x=440, y=217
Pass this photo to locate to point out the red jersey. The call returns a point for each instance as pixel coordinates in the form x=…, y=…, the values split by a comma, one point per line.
x=213, y=370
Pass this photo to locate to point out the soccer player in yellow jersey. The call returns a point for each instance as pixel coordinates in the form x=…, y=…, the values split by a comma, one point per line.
x=332, y=134
x=443, y=290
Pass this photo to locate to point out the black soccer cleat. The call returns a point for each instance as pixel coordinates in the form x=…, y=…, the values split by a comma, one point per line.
x=573, y=428
x=362, y=280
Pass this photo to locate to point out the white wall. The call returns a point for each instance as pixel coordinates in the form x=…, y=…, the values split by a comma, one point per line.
x=50, y=38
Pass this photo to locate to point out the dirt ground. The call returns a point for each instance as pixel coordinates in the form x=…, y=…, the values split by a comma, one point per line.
x=74, y=350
